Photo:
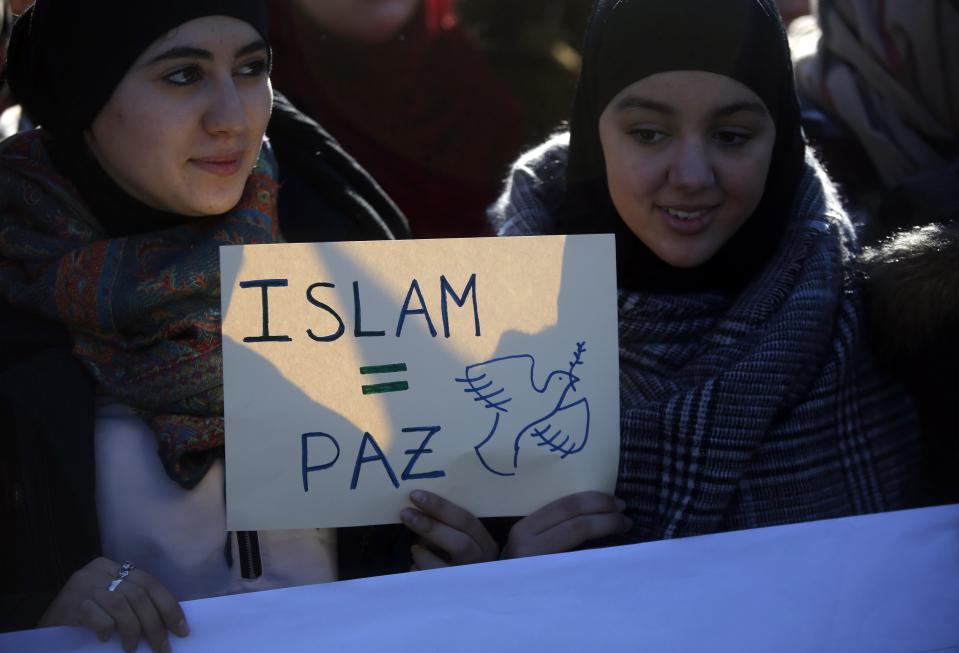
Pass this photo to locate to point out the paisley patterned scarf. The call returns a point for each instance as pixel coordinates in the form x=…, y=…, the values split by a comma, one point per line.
x=143, y=309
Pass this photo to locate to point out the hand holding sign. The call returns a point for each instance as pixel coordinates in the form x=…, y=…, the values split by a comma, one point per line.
x=566, y=524
x=562, y=525
x=446, y=527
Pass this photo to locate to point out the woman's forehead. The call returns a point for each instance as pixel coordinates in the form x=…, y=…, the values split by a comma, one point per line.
x=632, y=39
x=212, y=34
x=688, y=91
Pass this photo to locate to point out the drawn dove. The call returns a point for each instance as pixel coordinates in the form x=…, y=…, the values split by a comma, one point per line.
x=553, y=415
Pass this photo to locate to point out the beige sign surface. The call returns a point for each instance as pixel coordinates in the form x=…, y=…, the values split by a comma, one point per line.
x=485, y=370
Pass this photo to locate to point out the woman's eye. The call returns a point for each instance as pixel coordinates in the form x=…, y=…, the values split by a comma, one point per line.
x=254, y=68
x=647, y=136
x=184, y=76
x=730, y=137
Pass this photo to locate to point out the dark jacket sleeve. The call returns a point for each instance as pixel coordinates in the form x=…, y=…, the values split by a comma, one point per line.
x=324, y=193
x=47, y=468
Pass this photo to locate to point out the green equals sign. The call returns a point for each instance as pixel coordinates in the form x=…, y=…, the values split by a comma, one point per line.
x=379, y=388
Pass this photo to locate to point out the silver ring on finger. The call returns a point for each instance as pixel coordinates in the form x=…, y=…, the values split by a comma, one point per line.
x=122, y=572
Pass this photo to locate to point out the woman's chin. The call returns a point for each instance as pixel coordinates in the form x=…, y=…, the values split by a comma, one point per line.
x=684, y=258
x=213, y=203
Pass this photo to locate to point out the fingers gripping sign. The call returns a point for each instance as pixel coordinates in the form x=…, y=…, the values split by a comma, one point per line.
x=450, y=535
x=442, y=526
x=566, y=524
x=109, y=597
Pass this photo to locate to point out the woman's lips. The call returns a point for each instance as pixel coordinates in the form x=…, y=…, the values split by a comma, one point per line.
x=222, y=165
x=688, y=220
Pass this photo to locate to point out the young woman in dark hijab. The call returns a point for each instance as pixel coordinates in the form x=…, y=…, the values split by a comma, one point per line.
x=747, y=397
x=149, y=156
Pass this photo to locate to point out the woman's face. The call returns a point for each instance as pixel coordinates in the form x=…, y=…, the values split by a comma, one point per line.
x=363, y=21
x=183, y=129
x=687, y=154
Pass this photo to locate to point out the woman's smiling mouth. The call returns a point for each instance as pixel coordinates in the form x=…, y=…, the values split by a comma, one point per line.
x=223, y=165
x=688, y=220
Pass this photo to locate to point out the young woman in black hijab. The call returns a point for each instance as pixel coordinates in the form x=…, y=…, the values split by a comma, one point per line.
x=150, y=155
x=747, y=397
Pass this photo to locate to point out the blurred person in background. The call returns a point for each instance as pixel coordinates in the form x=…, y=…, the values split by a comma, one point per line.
x=881, y=106
x=793, y=9
x=911, y=298
x=530, y=47
x=13, y=118
x=402, y=87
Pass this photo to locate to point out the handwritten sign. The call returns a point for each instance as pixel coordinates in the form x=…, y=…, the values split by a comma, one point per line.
x=484, y=370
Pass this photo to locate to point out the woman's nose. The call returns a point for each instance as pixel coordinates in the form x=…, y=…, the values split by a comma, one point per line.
x=226, y=112
x=691, y=168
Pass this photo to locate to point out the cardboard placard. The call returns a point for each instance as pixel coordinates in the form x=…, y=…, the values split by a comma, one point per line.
x=485, y=370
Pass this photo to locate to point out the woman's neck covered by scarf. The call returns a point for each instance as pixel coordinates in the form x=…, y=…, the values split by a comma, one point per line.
x=628, y=40
x=422, y=112
x=138, y=289
x=886, y=69
x=115, y=210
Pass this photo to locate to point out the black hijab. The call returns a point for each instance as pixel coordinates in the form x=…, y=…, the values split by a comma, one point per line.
x=628, y=40
x=66, y=58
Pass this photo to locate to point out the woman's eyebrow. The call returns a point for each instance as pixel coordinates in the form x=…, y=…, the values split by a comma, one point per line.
x=637, y=102
x=185, y=52
x=736, y=107
x=250, y=48
x=182, y=52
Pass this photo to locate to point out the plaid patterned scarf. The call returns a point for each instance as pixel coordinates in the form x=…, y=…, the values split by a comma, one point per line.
x=748, y=408
x=143, y=310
